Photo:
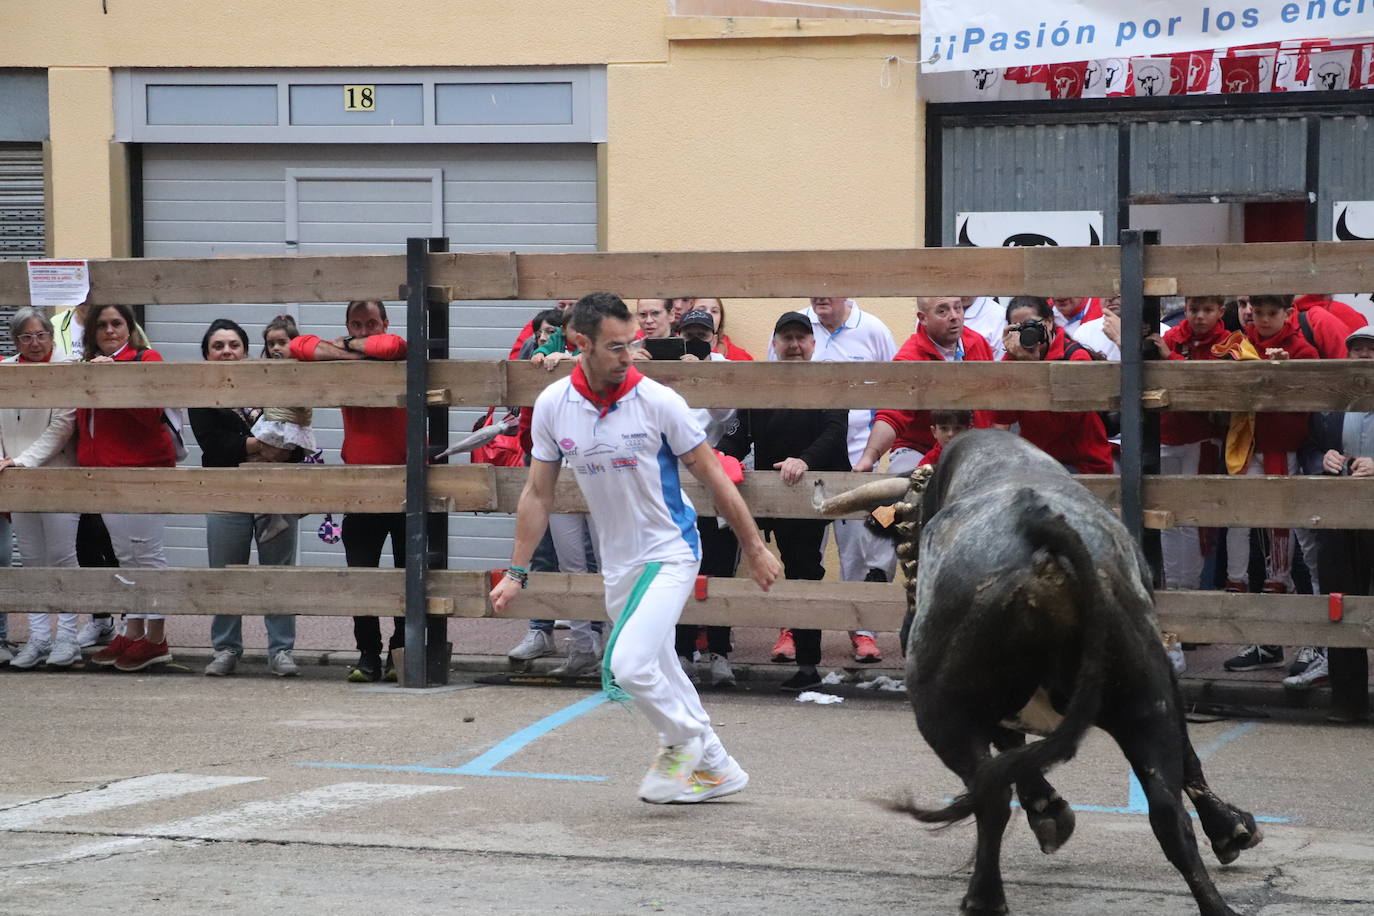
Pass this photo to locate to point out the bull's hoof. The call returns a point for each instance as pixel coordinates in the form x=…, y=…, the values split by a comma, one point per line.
x=1052, y=821
x=975, y=906
x=1245, y=835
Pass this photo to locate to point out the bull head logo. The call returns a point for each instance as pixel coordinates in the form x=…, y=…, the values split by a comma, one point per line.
x=1195, y=65
x=1240, y=84
x=1150, y=80
x=1331, y=76
x=1111, y=76
x=1064, y=83
x=981, y=78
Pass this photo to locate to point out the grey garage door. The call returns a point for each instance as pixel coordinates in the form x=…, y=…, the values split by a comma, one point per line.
x=205, y=200
x=21, y=213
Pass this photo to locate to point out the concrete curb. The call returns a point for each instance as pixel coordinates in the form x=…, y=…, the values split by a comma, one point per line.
x=1234, y=695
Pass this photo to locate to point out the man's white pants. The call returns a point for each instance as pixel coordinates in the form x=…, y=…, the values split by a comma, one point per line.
x=645, y=603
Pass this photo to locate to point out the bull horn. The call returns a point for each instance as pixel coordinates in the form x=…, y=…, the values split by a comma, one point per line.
x=869, y=496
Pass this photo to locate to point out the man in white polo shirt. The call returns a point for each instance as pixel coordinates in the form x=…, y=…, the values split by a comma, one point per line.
x=624, y=436
x=846, y=333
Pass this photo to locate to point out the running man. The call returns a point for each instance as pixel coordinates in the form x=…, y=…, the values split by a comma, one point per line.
x=624, y=436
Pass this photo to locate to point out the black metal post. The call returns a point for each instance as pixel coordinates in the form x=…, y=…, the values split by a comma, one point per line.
x=1139, y=428
x=417, y=483
x=438, y=650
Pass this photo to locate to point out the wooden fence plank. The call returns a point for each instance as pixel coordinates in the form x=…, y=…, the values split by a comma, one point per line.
x=1256, y=502
x=256, y=382
x=1290, y=267
x=331, y=592
x=1300, y=385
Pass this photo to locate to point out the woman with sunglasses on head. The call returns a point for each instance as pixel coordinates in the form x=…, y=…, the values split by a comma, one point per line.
x=33, y=438
x=127, y=437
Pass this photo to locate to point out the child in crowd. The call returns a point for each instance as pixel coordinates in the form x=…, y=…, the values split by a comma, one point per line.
x=1264, y=443
x=944, y=426
x=284, y=427
x=1189, y=442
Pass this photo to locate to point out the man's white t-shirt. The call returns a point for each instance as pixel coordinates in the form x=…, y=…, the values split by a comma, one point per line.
x=627, y=468
x=862, y=337
x=988, y=317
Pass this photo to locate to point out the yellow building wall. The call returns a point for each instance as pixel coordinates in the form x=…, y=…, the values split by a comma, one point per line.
x=734, y=144
x=788, y=144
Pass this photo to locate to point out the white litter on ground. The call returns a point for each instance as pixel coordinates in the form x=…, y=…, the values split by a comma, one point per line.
x=822, y=699
x=883, y=682
x=832, y=678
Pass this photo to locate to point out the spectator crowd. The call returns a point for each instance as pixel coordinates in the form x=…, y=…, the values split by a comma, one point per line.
x=790, y=442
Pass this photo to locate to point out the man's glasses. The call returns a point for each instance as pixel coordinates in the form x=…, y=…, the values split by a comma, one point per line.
x=40, y=337
x=633, y=346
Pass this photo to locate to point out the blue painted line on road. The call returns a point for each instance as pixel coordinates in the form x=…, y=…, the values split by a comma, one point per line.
x=1225, y=738
x=484, y=764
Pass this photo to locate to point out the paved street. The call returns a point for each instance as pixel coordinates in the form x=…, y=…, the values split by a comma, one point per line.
x=176, y=793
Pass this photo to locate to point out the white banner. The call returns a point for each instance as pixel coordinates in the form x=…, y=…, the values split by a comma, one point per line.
x=1354, y=222
x=984, y=34
x=1028, y=229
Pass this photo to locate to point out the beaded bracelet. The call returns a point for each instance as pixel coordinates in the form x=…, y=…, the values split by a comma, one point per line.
x=519, y=574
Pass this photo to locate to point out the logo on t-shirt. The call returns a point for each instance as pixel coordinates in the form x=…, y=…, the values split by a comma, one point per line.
x=635, y=442
x=624, y=464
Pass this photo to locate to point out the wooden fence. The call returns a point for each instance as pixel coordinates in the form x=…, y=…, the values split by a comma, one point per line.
x=434, y=279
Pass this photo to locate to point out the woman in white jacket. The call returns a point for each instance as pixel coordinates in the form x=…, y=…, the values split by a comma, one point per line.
x=32, y=438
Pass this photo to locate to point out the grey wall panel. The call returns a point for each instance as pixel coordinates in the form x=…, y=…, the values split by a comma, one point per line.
x=235, y=105
x=503, y=103
x=323, y=104
x=1234, y=156
x=1347, y=167
x=202, y=200
x=1029, y=167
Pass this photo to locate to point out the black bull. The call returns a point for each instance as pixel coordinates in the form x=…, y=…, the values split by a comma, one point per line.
x=1033, y=612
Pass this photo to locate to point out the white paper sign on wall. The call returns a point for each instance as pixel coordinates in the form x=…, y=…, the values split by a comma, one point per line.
x=1064, y=228
x=1354, y=222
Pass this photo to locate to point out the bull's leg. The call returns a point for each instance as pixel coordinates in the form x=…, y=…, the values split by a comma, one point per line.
x=1049, y=816
x=1230, y=829
x=1156, y=754
x=962, y=745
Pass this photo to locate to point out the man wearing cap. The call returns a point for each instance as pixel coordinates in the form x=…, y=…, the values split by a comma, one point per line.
x=624, y=437
x=846, y=333
x=794, y=442
x=1342, y=444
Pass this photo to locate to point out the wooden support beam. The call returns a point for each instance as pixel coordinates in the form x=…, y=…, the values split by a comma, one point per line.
x=1256, y=502
x=256, y=382
x=1289, y=267
x=333, y=592
x=1289, y=385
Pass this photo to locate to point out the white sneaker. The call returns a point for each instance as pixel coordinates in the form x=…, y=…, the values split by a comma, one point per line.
x=562, y=624
x=64, y=654
x=579, y=664
x=670, y=776
x=689, y=668
x=536, y=644
x=34, y=653
x=96, y=633
x=1314, y=675
x=282, y=664
x=223, y=664
x=721, y=673
x=5, y=652
x=708, y=784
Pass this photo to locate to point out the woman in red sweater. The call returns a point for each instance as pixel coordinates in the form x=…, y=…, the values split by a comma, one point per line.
x=129, y=437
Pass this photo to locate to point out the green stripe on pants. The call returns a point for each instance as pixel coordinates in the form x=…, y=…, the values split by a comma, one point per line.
x=642, y=584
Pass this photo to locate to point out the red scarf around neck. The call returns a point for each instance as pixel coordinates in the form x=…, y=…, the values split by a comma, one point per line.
x=606, y=404
x=46, y=359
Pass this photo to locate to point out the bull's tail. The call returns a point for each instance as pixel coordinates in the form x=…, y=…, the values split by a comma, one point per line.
x=1049, y=531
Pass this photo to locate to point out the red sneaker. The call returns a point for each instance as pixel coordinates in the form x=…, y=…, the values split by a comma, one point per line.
x=865, y=650
x=784, y=650
x=141, y=654
x=1274, y=588
x=112, y=651
x=1237, y=586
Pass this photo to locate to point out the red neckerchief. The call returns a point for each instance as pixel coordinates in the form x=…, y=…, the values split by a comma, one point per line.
x=1181, y=340
x=46, y=359
x=1092, y=310
x=606, y=404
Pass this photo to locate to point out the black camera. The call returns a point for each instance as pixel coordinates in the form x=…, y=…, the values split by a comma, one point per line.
x=1030, y=333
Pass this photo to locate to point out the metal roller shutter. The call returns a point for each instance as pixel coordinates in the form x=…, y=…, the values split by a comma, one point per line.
x=21, y=214
x=204, y=200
